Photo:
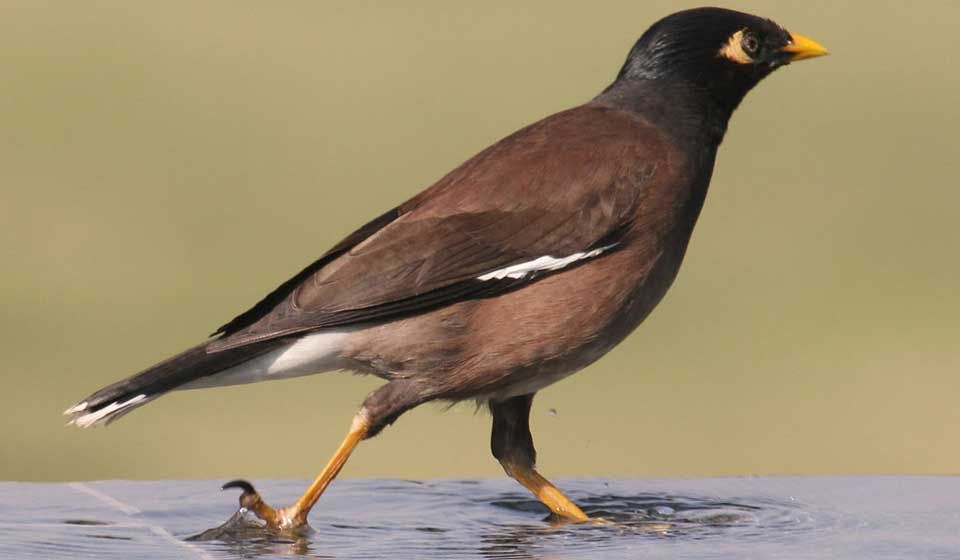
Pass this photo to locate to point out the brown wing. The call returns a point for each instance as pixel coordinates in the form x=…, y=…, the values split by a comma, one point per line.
x=565, y=185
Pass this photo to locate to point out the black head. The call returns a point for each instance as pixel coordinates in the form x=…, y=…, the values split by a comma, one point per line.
x=721, y=51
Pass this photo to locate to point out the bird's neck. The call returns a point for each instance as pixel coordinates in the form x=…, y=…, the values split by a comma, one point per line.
x=693, y=120
x=691, y=114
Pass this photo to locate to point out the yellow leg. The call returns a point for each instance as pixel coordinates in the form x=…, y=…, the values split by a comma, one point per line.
x=550, y=495
x=295, y=515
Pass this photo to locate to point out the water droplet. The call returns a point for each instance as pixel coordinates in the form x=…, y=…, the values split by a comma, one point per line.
x=552, y=412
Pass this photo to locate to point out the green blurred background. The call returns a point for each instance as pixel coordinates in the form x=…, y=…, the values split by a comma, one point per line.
x=164, y=165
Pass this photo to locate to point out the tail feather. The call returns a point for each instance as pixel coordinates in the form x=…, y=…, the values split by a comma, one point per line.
x=122, y=397
x=108, y=413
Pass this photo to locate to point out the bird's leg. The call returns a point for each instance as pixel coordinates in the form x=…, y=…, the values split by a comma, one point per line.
x=512, y=445
x=295, y=515
x=381, y=408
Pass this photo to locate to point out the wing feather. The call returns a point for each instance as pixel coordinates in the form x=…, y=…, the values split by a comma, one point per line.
x=564, y=186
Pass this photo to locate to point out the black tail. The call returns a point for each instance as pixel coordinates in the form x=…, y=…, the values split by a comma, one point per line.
x=113, y=401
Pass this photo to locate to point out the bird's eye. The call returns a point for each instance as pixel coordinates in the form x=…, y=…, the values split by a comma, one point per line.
x=750, y=44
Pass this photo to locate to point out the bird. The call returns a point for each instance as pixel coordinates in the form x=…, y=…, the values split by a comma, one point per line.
x=521, y=266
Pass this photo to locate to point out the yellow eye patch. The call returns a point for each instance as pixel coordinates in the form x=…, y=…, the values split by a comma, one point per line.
x=733, y=49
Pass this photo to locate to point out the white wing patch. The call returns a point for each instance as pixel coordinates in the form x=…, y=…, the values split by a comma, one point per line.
x=545, y=263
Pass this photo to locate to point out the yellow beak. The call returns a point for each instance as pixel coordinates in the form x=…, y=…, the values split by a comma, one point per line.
x=803, y=47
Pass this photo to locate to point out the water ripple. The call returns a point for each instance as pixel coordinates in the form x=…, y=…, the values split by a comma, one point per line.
x=872, y=518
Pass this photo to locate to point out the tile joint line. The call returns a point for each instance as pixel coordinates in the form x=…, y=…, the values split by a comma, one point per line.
x=116, y=504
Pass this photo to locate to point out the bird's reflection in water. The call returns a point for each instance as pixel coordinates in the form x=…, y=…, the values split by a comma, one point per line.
x=534, y=541
x=616, y=518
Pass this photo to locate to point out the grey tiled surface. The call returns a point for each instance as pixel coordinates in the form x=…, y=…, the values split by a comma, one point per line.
x=811, y=517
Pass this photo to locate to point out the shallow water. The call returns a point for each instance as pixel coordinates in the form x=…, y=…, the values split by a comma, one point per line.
x=828, y=517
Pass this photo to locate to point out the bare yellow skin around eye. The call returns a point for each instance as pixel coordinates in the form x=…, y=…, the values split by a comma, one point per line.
x=733, y=49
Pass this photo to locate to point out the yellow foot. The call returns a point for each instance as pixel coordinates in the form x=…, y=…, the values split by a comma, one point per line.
x=561, y=521
x=282, y=520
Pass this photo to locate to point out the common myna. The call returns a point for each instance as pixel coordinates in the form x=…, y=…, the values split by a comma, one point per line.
x=523, y=265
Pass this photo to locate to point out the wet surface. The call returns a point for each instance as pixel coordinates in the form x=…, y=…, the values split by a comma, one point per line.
x=811, y=517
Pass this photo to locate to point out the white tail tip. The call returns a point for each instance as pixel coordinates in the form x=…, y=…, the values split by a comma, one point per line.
x=103, y=415
x=80, y=407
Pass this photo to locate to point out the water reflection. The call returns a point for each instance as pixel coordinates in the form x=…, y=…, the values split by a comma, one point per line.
x=703, y=519
x=244, y=536
x=644, y=516
x=618, y=519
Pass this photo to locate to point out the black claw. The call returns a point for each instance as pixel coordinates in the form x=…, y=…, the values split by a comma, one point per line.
x=248, y=498
x=241, y=484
